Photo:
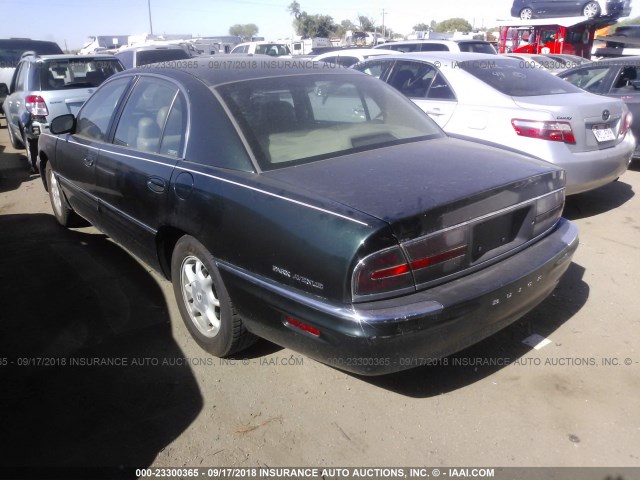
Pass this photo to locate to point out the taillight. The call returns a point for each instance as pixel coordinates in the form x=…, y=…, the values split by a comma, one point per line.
x=548, y=211
x=382, y=272
x=425, y=261
x=36, y=105
x=552, y=131
x=626, y=124
x=439, y=254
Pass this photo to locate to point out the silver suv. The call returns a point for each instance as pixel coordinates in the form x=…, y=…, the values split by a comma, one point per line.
x=11, y=50
x=45, y=87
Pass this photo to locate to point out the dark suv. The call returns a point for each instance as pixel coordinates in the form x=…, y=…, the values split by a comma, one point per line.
x=11, y=50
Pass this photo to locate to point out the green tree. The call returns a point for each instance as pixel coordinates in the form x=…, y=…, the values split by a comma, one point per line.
x=344, y=26
x=366, y=24
x=308, y=26
x=245, y=32
x=294, y=9
x=421, y=27
x=453, y=25
x=315, y=25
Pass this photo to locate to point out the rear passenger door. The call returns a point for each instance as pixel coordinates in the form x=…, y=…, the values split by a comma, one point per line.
x=427, y=87
x=134, y=169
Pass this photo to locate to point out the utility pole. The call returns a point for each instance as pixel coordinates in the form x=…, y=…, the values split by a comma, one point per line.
x=150, y=24
x=384, y=31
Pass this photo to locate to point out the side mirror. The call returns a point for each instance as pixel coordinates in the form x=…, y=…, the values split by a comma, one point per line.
x=4, y=90
x=63, y=124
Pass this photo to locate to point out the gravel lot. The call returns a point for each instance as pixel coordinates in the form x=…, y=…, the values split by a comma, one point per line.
x=73, y=300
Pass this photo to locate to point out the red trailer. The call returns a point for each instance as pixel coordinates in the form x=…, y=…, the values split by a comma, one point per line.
x=569, y=35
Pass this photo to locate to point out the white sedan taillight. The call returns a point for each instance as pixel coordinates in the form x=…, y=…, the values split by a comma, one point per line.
x=36, y=106
x=553, y=131
x=626, y=124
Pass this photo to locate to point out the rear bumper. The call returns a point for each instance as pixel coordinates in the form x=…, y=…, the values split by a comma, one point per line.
x=396, y=334
x=591, y=170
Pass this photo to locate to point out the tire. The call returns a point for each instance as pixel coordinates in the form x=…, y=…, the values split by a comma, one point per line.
x=526, y=13
x=61, y=210
x=203, y=300
x=15, y=142
x=591, y=10
x=32, y=153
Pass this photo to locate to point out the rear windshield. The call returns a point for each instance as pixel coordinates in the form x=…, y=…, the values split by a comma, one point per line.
x=509, y=77
x=76, y=73
x=12, y=50
x=305, y=118
x=146, y=57
x=477, y=47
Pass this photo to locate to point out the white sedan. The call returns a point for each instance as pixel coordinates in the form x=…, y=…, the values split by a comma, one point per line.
x=496, y=100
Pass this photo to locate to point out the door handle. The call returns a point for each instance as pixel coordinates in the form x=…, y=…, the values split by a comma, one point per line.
x=434, y=111
x=89, y=161
x=156, y=185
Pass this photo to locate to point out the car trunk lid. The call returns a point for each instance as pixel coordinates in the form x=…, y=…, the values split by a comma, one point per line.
x=426, y=186
x=596, y=121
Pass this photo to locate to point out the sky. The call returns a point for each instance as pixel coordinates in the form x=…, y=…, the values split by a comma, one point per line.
x=71, y=22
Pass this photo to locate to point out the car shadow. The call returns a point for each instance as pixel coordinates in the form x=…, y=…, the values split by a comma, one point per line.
x=14, y=171
x=600, y=200
x=91, y=375
x=503, y=350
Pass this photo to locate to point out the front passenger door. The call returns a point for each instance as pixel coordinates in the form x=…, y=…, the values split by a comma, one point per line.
x=77, y=153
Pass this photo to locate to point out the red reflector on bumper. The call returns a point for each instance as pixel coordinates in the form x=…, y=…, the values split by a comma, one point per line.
x=302, y=326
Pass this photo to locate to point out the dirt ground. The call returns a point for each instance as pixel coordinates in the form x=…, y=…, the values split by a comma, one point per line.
x=72, y=299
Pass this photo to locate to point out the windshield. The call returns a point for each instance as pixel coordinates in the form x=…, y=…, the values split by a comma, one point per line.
x=508, y=77
x=77, y=73
x=304, y=118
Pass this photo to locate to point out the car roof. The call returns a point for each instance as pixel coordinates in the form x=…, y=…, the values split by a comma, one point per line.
x=19, y=41
x=355, y=52
x=606, y=62
x=261, y=42
x=46, y=58
x=234, y=68
x=139, y=48
x=449, y=56
x=617, y=61
x=445, y=42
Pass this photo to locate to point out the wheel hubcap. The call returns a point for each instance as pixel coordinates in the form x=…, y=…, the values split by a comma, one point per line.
x=200, y=299
x=590, y=10
x=526, y=14
x=55, y=194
